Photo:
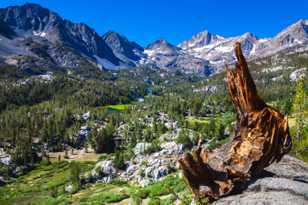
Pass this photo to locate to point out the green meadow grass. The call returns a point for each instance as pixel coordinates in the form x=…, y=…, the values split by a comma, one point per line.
x=45, y=185
x=119, y=107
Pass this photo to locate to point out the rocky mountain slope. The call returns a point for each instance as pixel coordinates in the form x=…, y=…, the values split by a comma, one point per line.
x=129, y=52
x=163, y=54
x=219, y=50
x=39, y=34
x=32, y=36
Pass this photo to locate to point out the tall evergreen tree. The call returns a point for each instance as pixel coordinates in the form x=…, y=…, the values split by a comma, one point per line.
x=298, y=108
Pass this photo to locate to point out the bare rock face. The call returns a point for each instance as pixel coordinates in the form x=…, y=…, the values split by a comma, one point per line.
x=165, y=55
x=31, y=30
x=283, y=183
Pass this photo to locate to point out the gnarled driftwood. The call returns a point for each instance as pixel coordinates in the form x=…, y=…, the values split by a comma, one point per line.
x=262, y=137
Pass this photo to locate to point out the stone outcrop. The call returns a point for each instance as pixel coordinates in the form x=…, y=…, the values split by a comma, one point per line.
x=142, y=170
x=283, y=183
x=146, y=169
x=104, y=172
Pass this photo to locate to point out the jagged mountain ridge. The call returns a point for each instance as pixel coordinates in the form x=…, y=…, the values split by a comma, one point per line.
x=201, y=39
x=219, y=50
x=124, y=49
x=31, y=22
x=164, y=54
x=34, y=36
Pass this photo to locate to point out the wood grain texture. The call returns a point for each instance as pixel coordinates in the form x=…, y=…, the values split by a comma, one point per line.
x=262, y=137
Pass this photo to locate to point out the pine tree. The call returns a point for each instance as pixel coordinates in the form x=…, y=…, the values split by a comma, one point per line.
x=298, y=108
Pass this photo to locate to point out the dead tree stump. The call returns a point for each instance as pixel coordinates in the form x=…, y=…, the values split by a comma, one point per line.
x=262, y=137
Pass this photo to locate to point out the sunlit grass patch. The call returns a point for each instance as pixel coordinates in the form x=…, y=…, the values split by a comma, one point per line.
x=119, y=107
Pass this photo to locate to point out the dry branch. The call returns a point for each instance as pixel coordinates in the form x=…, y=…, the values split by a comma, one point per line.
x=262, y=137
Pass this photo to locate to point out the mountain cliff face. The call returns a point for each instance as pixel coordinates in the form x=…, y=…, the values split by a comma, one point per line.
x=218, y=49
x=127, y=51
x=201, y=39
x=32, y=36
x=163, y=54
x=294, y=34
x=293, y=37
x=47, y=30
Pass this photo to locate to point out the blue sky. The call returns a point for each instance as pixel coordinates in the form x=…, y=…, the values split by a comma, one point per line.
x=144, y=21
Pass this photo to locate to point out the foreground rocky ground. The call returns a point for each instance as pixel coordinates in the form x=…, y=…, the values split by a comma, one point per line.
x=150, y=181
x=284, y=183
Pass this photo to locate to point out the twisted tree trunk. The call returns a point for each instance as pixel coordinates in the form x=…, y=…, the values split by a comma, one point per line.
x=262, y=138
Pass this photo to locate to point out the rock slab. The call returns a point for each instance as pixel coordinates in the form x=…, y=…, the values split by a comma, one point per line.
x=285, y=183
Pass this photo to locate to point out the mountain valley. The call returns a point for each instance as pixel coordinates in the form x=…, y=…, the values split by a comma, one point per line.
x=87, y=118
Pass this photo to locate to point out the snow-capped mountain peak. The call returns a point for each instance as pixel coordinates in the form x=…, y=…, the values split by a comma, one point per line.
x=161, y=47
x=164, y=54
x=201, y=39
x=44, y=39
x=295, y=33
x=161, y=44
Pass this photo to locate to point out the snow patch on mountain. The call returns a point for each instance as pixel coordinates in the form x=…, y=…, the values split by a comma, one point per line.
x=29, y=30
x=41, y=34
x=218, y=50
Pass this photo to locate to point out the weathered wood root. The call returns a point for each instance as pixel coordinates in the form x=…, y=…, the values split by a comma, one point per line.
x=262, y=138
